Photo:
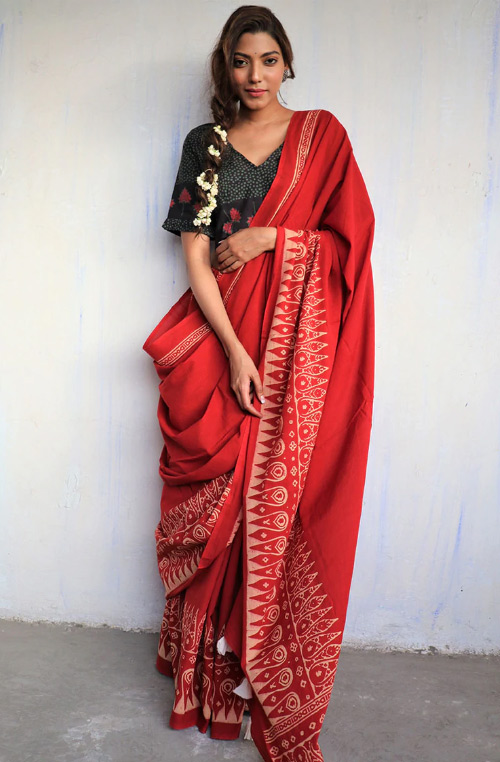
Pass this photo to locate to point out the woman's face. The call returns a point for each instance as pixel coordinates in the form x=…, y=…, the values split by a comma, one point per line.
x=257, y=70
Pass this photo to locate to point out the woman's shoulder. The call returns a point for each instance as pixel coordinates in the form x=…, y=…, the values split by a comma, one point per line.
x=322, y=119
x=197, y=135
x=328, y=125
x=329, y=119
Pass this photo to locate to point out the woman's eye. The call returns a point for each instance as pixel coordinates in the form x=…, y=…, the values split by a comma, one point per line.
x=271, y=60
x=239, y=62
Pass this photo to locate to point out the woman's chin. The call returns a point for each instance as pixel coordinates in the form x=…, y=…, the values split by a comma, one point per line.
x=255, y=104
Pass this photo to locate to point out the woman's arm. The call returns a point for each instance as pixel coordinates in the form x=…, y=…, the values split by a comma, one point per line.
x=207, y=294
x=244, y=245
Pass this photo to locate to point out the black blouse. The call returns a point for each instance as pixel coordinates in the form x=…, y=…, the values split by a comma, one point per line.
x=242, y=187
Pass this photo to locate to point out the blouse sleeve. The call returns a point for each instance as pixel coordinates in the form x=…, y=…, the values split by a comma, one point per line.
x=184, y=205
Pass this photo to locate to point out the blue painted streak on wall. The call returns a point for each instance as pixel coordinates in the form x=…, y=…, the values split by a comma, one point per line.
x=493, y=92
x=492, y=146
x=453, y=572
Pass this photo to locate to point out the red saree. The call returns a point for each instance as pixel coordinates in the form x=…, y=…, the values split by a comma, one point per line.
x=259, y=518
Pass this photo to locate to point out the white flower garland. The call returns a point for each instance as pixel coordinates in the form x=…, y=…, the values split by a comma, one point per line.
x=204, y=216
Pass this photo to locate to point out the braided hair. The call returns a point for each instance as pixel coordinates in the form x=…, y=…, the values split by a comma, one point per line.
x=224, y=102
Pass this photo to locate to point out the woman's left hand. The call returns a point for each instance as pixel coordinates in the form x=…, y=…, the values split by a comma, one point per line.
x=242, y=246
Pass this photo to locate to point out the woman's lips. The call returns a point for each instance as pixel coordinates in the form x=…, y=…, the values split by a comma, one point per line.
x=255, y=93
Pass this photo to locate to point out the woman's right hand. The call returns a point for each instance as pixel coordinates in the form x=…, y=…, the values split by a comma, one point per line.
x=245, y=379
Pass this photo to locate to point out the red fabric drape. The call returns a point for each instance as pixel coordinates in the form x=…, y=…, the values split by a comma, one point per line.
x=259, y=518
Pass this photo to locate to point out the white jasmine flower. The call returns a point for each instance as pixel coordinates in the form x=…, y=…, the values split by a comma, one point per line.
x=218, y=129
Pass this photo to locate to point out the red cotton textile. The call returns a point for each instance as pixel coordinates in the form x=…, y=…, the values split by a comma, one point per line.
x=259, y=518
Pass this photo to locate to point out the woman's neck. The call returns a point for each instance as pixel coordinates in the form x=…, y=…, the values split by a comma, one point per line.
x=274, y=112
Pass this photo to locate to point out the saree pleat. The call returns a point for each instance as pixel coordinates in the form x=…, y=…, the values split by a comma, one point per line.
x=259, y=517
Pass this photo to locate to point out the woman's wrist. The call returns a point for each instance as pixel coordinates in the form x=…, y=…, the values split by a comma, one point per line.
x=231, y=346
x=269, y=236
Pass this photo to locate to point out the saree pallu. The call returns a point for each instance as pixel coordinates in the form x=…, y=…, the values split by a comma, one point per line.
x=260, y=517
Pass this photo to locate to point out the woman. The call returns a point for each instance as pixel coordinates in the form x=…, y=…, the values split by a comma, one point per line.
x=266, y=368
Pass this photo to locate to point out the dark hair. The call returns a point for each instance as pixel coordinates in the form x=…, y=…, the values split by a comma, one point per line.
x=224, y=103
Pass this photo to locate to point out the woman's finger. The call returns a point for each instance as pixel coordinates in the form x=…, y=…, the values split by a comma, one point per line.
x=247, y=405
x=251, y=409
x=232, y=268
x=224, y=255
x=221, y=246
x=257, y=385
x=238, y=397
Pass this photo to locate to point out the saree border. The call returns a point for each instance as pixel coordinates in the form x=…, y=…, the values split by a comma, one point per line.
x=304, y=146
x=290, y=665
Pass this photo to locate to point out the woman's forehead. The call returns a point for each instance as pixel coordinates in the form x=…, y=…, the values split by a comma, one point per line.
x=257, y=43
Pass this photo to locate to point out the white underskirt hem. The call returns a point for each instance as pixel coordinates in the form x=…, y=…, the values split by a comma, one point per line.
x=223, y=646
x=244, y=690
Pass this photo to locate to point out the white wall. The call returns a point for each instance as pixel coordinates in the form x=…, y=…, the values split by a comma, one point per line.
x=96, y=98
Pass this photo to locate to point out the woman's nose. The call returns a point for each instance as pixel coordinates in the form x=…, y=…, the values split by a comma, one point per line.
x=255, y=75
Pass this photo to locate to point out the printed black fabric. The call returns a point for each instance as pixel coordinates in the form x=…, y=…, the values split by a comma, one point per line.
x=242, y=188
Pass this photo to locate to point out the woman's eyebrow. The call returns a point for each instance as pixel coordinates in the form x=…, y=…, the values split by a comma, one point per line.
x=264, y=55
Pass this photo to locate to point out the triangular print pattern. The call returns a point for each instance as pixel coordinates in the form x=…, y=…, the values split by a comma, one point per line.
x=183, y=532
x=292, y=644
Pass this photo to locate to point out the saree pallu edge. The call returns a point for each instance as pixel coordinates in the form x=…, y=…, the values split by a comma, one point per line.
x=260, y=517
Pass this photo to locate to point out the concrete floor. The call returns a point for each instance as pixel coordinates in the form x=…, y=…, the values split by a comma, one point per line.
x=76, y=694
